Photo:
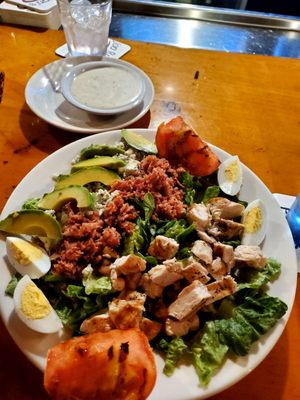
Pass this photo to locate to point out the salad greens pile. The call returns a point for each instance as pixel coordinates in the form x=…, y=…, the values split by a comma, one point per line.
x=228, y=326
x=236, y=323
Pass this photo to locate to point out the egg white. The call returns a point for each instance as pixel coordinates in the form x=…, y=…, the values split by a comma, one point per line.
x=27, y=258
x=230, y=185
x=49, y=323
x=256, y=237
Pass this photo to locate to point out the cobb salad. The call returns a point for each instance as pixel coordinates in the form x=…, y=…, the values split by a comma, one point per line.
x=148, y=237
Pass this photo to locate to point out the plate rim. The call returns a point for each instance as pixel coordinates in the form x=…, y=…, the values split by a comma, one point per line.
x=203, y=393
x=38, y=75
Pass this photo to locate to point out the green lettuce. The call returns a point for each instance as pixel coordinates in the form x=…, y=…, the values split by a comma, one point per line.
x=239, y=321
x=94, y=284
x=210, y=192
x=10, y=288
x=208, y=353
x=31, y=204
x=253, y=279
x=178, y=229
x=175, y=349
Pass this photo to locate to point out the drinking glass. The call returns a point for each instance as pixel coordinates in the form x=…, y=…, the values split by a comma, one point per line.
x=293, y=218
x=86, y=25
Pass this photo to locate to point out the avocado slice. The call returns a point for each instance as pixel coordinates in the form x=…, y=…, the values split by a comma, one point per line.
x=54, y=200
x=87, y=175
x=99, y=150
x=32, y=222
x=138, y=142
x=101, y=161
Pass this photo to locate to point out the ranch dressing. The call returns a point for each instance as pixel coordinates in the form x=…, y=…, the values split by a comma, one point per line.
x=106, y=87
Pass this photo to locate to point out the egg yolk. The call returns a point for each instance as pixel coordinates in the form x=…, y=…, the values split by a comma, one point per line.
x=253, y=220
x=34, y=304
x=232, y=171
x=25, y=252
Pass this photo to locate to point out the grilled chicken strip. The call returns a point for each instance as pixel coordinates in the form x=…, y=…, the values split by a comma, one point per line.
x=124, y=267
x=226, y=252
x=217, y=268
x=189, y=301
x=226, y=229
x=199, y=215
x=127, y=312
x=194, y=270
x=220, y=207
x=129, y=264
x=97, y=323
x=163, y=248
x=166, y=274
x=202, y=251
x=152, y=289
x=220, y=289
x=181, y=328
x=249, y=256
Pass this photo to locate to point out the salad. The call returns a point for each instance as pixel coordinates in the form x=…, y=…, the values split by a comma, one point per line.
x=148, y=237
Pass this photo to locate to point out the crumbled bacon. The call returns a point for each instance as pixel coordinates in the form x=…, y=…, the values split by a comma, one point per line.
x=85, y=237
x=157, y=177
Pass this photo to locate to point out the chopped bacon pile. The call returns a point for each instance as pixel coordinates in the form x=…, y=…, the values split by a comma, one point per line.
x=157, y=177
x=92, y=239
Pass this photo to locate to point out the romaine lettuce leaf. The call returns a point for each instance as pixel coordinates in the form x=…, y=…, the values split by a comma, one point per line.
x=208, y=352
x=177, y=229
x=94, y=284
x=175, y=350
x=253, y=279
x=10, y=288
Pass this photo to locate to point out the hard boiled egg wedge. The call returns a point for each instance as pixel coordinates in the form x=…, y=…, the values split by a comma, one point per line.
x=254, y=218
x=230, y=175
x=27, y=258
x=33, y=308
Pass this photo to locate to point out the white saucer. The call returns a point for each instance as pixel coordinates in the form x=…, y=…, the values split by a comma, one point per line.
x=43, y=97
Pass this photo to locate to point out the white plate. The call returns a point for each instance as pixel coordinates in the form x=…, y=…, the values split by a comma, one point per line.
x=46, y=101
x=183, y=385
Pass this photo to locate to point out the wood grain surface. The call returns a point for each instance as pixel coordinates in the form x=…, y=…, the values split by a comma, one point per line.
x=247, y=105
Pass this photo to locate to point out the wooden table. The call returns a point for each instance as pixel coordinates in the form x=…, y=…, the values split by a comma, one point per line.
x=248, y=105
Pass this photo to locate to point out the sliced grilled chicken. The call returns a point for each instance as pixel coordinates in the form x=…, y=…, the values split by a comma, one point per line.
x=249, y=256
x=199, y=215
x=220, y=207
x=129, y=264
x=126, y=266
x=132, y=281
x=220, y=289
x=153, y=290
x=181, y=328
x=189, y=300
x=226, y=252
x=217, y=268
x=226, y=229
x=97, y=323
x=127, y=312
x=194, y=270
x=208, y=239
x=202, y=251
x=163, y=248
x=164, y=275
